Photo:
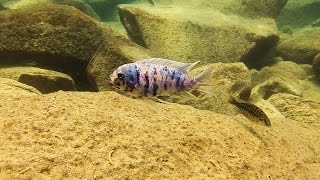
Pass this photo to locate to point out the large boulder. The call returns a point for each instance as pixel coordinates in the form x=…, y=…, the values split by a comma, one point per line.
x=316, y=64
x=301, y=48
x=82, y=6
x=63, y=39
x=13, y=88
x=282, y=77
x=299, y=13
x=108, y=136
x=46, y=81
x=187, y=34
x=255, y=8
x=49, y=30
x=298, y=108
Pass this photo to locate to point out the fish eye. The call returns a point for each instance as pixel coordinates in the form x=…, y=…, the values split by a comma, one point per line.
x=121, y=76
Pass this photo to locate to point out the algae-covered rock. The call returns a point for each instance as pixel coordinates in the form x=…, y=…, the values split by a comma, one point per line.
x=61, y=38
x=299, y=13
x=73, y=135
x=115, y=51
x=302, y=47
x=49, y=31
x=10, y=87
x=46, y=81
x=188, y=34
x=297, y=108
x=253, y=8
x=80, y=5
x=316, y=64
x=282, y=77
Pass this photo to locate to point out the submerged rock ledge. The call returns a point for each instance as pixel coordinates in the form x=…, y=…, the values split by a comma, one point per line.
x=106, y=135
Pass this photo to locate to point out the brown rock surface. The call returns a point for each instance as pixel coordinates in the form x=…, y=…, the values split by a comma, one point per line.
x=61, y=32
x=183, y=34
x=46, y=81
x=316, y=64
x=301, y=48
x=298, y=109
x=106, y=135
x=10, y=87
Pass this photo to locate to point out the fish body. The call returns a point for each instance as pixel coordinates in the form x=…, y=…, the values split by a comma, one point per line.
x=251, y=110
x=155, y=77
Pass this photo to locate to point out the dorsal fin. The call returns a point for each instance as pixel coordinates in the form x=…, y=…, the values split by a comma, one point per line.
x=183, y=67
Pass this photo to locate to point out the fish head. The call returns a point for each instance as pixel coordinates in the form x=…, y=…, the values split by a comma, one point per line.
x=118, y=78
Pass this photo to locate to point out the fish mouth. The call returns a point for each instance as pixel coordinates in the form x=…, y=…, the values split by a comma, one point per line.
x=113, y=85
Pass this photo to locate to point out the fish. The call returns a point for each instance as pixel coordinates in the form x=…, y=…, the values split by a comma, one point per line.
x=156, y=77
x=251, y=110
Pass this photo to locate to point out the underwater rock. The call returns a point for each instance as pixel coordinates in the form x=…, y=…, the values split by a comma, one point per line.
x=49, y=30
x=189, y=34
x=80, y=5
x=46, y=81
x=274, y=85
x=299, y=13
x=297, y=108
x=316, y=64
x=115, y=51
x=252, y=8
x=81, y=135
x=301, y=48
x=282, y=77
x=14, y=88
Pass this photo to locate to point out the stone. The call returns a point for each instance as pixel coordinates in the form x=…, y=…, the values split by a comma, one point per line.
x=46, y=81
x=299, y=13
x=253, y=8
x=316, y=64
x=274, y=85
x=52, y=33
x=301, y=48
x=81, y=135
x=297, y=108
x=282, y=77
x=181, y=34
x=111, y=54
x=308, y=69
x=10, y=87
x=60, y=38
